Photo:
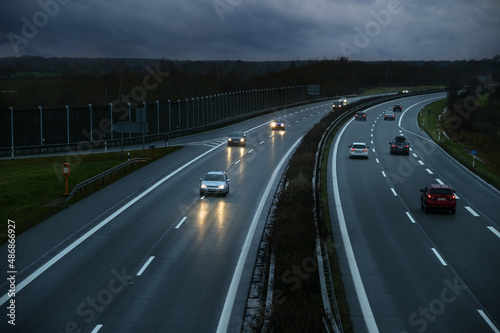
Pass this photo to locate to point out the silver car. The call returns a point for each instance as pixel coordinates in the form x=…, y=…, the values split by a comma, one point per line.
x=358, y=149
x=214, y=182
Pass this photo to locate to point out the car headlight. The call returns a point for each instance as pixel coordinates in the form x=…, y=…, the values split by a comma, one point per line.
x=229, y=139
x=221, y=186
x=203, y=186
x=242, y=139
x=273, y=124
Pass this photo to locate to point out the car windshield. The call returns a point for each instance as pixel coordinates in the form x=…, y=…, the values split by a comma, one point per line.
x=237, y=134
x=214, y=177
x=359, y=146
x=400, y=139
x=441, y=191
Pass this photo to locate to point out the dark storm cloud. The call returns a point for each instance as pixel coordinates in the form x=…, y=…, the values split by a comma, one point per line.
x=252, y=29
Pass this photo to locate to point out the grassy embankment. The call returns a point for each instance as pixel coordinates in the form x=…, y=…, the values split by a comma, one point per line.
x=33, y=188
x=487, y=165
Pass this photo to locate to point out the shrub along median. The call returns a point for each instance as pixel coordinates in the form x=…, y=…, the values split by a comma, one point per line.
x=33, y=188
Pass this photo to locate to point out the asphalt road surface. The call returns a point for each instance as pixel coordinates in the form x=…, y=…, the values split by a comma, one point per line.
x=405, y=270
x=147, y=253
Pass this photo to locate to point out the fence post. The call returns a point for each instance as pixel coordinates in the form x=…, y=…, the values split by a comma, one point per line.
x=41, y=126
x=12, y=129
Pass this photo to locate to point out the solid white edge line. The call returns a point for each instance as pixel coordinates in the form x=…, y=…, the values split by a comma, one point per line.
x=410, y=217
x=181, y=222
x=235, y=281
x=89, y=233
x=439, y=256
x=471, y=211
x=97, y=328
x=383, y=174
x=145, y=266
x=495, y=231
x=488, y=321
x=394, y=192
x=351, y=259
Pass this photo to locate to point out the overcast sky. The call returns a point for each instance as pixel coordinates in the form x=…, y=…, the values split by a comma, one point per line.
x=252, y=29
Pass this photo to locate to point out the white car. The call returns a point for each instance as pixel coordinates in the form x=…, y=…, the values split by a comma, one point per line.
x=358, y=149
x=214, y=182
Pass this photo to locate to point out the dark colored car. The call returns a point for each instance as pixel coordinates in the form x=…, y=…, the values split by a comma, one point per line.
x=397, y=108
x=360, y=116
x=278, y=124
x=336, y=105
x=399, y=145
x=438, y=197
x=237, y=138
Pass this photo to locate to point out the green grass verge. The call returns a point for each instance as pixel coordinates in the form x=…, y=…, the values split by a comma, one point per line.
x=33, y=188
x=436, y=130
x=330, y=241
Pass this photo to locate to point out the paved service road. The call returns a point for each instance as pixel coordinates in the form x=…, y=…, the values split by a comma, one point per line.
x=405, y=270
x=147, y=253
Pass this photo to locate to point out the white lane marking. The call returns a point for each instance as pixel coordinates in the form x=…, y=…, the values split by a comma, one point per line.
x=471, y=211
x=351, y=259
x=410, y=217
x=181, y=222
x=271, y=135
x=383, y=174
x=439, y=257
x=439, y=181
x=238, y=161
x=421, y=162
x=261, y=143
x=488, y=321
x=89, y=233
x=495, y=231
x=251, y=150
x=296, y=121
x=456, y=196
x=394, y=192
x=376, y=159
x=429, y=171
x=145, y=266
x=235, y=281
x=373, y=149
x=414, y=155
x=97, y=328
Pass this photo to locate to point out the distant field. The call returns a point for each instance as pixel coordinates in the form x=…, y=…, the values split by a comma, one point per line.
x=386, y=90
x=32, y=188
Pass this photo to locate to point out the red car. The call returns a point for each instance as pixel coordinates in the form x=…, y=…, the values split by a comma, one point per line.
x=438, y=197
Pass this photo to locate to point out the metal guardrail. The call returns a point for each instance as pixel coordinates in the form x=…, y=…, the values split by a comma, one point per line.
x=101, y=176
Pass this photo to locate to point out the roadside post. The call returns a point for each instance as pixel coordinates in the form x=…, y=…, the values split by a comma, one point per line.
x=474, y=153
x=152, y=147
x=66, y=176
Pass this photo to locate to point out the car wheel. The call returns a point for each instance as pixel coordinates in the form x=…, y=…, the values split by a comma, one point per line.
x=453, y=211
x=201, y=193
x=426, y=208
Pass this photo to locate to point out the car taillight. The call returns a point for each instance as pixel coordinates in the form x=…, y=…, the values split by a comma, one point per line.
x=453, y=197
x=352, y=149
x=365, y=149
x=393, y=146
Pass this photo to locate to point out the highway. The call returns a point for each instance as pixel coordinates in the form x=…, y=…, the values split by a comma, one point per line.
x=405, y=270
x=147, y=253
